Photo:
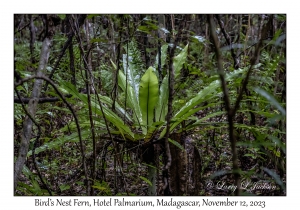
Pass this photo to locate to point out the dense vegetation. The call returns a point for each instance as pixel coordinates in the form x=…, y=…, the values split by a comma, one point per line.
x=149, y=104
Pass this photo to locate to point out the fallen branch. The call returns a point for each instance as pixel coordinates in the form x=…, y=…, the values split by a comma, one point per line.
x=41, y=100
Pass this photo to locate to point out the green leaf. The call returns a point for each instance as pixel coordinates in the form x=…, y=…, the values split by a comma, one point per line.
x=26, y=188
x=103, y=99
x=133, y=79
x=36, y=187
x=187, y=110
x=26, y=171
x=61, y=16
x=278, y=143
x=119, y=109
x=151, y=166
x=199, y=98
x=198, y=122
x=99, y=188
x=276, y=177
x=129, y=71
x=91, y=16
x=57, y=143
x=98, y=40
x=64, y=187
x=199, y=39
x=103, y=187
x=179, y=60
x=132, y=98
x=114, y=65
x=115, y=120
x=271, y=99
x=152, y=130
x=109, y=114
x=176, y=144
x=146, y=180
x=148, y=96
x=163, y=58
x=250, y=155
x=144, y=29
x=206, y=93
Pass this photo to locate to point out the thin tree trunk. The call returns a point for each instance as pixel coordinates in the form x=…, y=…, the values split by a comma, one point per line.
x=71, y=52
x=32, y=107
x=168, y=158
x=177, y=171
x=89, y=87
x=230, y=112
x=32, y=39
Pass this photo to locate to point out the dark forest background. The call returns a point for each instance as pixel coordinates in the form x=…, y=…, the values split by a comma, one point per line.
x=149, y=104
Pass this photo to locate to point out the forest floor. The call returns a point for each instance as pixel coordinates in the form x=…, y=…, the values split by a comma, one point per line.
x=67, y=179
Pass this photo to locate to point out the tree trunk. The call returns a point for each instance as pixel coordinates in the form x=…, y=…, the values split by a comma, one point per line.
x=177, y=171
x=194, y=168
x=32, y=107
x=185, y=170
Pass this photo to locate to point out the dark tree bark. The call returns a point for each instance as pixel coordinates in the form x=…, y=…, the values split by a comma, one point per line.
x=32, y=105
x=71, y=51
x=194, y=167
x=168, y=153
x=177, y=172
x=32, y=38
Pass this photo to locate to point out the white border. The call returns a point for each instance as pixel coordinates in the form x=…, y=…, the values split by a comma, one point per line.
x=8, y=8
